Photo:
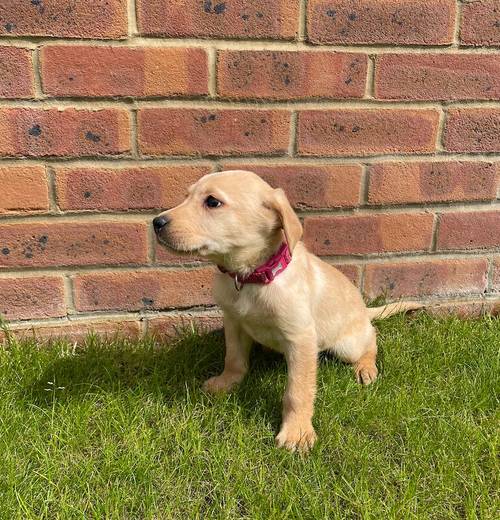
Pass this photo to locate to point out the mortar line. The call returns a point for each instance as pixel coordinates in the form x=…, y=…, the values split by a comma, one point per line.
x=134, y=144
x=435, y=231
x=69, y=300
x=52, y=190
x=302, y=28
x=37, y=74
x=212, y=64
x=361, y=272
x=365, y=185
x=489, y=274
x=458, y=24
x=117, y=162
x=244, y=44
x=441, y=129
x=132, y=18
x=117, y=316
x=292, y=143
x=151, y=245
x=370, y=77
x=206, y=103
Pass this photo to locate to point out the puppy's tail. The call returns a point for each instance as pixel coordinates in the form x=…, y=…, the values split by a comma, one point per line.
x=392, y=308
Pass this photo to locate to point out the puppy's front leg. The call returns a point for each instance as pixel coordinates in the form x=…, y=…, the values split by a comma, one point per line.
x=297, y=431
x=238, y=344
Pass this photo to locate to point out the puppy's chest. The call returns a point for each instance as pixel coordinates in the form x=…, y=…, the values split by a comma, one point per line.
x=256, y=315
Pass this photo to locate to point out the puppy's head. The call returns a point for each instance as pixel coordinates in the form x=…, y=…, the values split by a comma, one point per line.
x=226, y=216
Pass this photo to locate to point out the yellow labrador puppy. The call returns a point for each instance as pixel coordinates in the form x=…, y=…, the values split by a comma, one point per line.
x=272, y=290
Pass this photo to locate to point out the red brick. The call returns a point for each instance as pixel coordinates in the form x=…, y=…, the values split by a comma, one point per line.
x=30, y=298
x=171, y=326
x=404, y=22
x=473, y=130
x=365, y=234
x=290, y=75
x=306, y=186
x=400, y=183
x=177, y=131
x=437, y=76
x=469, y=230
x=480, y=23
x=122, y=189
x=213, y=19
x=91, y=71
x=16, y=74
x=77, y=331
x=366, y=132
x=426, y=278
x=352, y=272
x=64, y=18
x=496, y=275
x=164, y=256
x=70, y=132
x=24, y=188
x=72, y=243
x=152, y=290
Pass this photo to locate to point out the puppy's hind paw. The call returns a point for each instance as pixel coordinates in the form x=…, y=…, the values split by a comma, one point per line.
x=365, y=373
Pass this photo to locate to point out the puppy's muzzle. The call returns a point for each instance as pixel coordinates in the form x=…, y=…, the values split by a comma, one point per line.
x=160, y=223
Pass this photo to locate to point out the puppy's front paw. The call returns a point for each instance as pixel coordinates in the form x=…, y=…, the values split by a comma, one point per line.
x=296, y=436
x=218, y=384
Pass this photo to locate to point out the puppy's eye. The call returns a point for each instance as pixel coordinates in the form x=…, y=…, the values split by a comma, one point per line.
x=212, y=202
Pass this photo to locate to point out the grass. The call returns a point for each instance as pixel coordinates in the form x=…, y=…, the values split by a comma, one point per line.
x=122, y=430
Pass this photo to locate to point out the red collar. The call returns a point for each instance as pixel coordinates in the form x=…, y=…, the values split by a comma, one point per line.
x=265, y=273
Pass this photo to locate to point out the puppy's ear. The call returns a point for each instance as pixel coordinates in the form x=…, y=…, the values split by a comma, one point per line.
x=289, y=221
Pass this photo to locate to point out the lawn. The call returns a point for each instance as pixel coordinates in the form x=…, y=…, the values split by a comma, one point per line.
x=122, y=430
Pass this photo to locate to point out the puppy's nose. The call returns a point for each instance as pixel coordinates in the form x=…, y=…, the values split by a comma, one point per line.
x=160, y=222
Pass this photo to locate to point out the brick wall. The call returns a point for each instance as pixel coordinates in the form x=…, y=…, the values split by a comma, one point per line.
x=380, y=118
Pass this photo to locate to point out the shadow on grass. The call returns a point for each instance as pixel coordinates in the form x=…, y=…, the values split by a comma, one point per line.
x=169, y=372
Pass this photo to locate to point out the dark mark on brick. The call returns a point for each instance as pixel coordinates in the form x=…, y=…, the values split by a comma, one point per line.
x=43, y=241
x=87, y=194
x=5, y=251
x=9, y=26
x=35, y=130
x=148, y=301
x=220, y=8
x=95, y=138
x=352, y=17
x=331, y=13
x=326, y=242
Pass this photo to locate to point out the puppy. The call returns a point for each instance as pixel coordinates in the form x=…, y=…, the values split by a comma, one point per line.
x=272, y=290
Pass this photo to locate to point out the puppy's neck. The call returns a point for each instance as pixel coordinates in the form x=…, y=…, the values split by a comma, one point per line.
x=244, y=261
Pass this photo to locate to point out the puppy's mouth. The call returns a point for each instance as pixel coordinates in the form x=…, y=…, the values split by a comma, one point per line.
x=180, y=248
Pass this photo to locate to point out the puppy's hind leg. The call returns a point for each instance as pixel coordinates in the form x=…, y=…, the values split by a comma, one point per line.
x=360, y=350
x=365, y=368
